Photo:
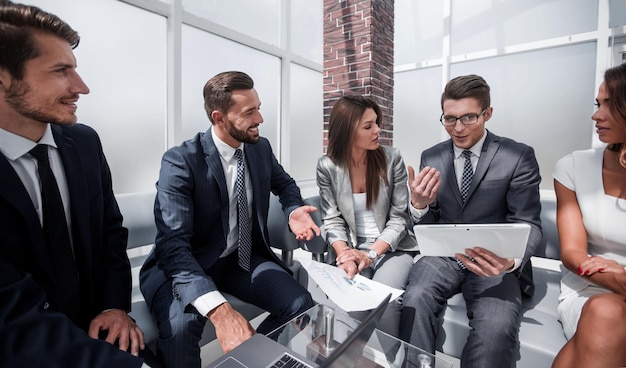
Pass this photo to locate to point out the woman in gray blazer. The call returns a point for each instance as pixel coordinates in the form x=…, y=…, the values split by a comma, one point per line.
x=364, y=200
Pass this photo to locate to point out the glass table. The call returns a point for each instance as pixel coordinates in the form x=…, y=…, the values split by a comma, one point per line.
x=308, y=335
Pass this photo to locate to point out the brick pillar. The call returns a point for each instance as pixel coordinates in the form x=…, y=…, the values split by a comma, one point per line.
x=358, y=56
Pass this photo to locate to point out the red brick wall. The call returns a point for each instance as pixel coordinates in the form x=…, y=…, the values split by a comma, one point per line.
x=358, y=56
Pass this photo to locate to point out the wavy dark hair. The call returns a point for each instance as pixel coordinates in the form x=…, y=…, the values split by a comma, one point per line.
x=344, y=118
x=615, y=82
x=18, y=24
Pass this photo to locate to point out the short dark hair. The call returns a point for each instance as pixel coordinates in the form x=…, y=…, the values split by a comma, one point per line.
x=615, y=83
x=467, y=86
x=219, y=89
x=18, y=24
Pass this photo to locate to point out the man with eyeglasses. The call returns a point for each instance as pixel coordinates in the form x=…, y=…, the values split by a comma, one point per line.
x=474, y=177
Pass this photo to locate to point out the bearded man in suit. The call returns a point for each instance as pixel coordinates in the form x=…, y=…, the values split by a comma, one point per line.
x=65, y=274
x=211, y=214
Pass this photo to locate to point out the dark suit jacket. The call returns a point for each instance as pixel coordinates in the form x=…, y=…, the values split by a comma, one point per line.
x=505, y=188
x=32, y=336
x=99, y=239
x=191, y=213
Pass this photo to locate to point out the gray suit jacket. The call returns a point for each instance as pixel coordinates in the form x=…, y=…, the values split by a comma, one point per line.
x=391, y=208
x=505, y=188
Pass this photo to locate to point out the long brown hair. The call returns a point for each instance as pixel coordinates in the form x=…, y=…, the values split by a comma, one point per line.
x=615, y=82
x=343, y=122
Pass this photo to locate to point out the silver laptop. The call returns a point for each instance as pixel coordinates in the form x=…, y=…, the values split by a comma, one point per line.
x=444, y=240
x=261, y=351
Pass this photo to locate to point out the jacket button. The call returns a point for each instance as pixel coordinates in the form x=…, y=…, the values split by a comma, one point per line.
x=46, y=305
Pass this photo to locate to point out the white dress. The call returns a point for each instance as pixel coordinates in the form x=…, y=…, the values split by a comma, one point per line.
x=604, y=217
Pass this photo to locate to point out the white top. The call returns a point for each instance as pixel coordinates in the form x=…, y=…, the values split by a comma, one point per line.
x=604, y=216
x=364, y=219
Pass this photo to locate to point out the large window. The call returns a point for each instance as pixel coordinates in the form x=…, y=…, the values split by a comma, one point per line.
x=146, y=62
x=122, y=58
x=543, y=60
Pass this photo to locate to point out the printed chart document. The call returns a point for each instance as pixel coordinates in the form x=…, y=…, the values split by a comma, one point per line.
x=358, y=294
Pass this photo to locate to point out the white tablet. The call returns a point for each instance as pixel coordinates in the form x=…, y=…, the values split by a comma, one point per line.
x=444, y=240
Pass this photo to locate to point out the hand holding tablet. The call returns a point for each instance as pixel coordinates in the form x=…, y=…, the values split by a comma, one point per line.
x=445, y=240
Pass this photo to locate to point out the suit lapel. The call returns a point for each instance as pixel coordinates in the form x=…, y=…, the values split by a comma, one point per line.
x=79, y=199
x=382, y=202
x=13, y=192
x=344, y=192
x=447, y=163
x=490, y=147
x=216, y=172
x=253, y=168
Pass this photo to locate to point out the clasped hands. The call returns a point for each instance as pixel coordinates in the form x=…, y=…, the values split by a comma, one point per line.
x=595, y=264
x=353, y=261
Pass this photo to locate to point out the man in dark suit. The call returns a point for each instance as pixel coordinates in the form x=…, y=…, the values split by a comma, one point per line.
x=213, y=238
x=474, y=177
x=40, y=144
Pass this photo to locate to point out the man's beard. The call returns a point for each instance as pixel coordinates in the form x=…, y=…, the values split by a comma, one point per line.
x=241, y=135
x=17, y=99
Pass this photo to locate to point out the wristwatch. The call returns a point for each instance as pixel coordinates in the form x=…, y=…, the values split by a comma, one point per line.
x=372, y=255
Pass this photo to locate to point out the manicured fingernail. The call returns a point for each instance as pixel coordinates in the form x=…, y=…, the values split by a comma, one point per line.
x=580, y=270
x=600, y=269
x=587, y=272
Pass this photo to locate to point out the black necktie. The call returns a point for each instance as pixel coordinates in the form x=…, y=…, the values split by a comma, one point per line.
x=243, y=217
x=58, y=237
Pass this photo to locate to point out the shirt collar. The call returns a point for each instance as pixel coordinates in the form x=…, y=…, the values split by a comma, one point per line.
x=227, y=152
x=14, y=146
x=476, y=149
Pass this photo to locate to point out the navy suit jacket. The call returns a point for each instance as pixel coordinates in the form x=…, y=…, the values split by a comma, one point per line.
x=32, y=336
x=99, y=240
x=505, y=188
x=191, y=213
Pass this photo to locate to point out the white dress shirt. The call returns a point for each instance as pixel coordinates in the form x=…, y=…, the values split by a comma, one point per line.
x=207, y=302
x=15, y=148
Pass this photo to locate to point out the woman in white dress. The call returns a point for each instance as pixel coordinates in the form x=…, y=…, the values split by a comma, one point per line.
x=590, y=187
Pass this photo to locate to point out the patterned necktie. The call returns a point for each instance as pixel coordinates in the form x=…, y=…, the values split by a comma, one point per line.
x=57, y=236
x=468, y=173
x=243, y=218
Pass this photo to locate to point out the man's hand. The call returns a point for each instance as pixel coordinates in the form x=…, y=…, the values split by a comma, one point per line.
x=424, y=186
x=120, y=328
x=484, y=263
x=301, y=223
x=231, y=328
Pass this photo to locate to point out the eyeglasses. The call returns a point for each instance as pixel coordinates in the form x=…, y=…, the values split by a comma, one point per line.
x=468, y=119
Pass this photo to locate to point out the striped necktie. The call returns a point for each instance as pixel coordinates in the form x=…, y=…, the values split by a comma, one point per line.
x=243, y=217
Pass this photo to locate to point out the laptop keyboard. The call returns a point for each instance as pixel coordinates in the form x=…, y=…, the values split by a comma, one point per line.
x=287, y=361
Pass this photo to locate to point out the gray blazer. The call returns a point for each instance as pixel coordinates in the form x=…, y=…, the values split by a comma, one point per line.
x=391, y=208
x=505, y=188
